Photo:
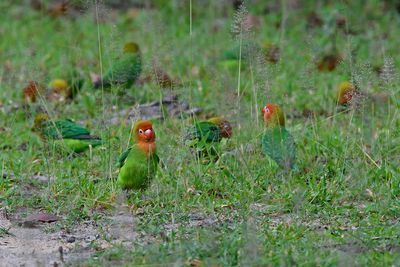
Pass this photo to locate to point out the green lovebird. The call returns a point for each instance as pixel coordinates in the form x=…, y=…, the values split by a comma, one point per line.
x=125, y=70
x=276, y=141
x=138, y=164
x=206, y=135
x=212, y=130
x=65, y=133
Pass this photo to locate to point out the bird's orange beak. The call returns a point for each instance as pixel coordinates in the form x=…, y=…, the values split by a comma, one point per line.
x=264, y=109
x=150, y=135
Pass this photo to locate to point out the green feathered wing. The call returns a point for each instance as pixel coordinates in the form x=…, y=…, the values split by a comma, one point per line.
x=204, y=137
x=68, y=133
x=203, y=131
x=123, y=72
x=123, y=156
x=279, y=145
x=136, y=168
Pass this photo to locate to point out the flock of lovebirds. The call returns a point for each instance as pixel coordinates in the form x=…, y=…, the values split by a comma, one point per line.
x=138, y=164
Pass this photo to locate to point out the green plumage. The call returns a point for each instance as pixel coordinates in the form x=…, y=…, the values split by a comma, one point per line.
x=231, y=54
x=203, y=131
x=62, y=129
x=279, y=145
x=68, y=133
x=123, y=72
x=136, y=168
x=204, y=137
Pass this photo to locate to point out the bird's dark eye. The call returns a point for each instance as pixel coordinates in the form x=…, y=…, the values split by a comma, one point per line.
x=140, y=131
x=267, y=110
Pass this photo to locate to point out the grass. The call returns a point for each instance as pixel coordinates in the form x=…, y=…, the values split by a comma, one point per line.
x=341, y=208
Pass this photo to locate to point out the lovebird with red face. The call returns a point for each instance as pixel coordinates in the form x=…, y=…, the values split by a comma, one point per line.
x=138, y=164
x=277, y=143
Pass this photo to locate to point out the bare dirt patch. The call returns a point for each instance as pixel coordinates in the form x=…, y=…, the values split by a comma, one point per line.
x=26, y=242
x=27, y=246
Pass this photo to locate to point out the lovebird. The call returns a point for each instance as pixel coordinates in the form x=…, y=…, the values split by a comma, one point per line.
x=58, y=90
x=276, y=141
x=65, y=133
x=212, y=130
x=32, y=91
x=138, y=164
x=206, y=135
x=346, y=93
x=125, y=70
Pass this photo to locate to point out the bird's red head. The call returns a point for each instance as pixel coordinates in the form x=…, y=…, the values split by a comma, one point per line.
x=268, y=110
x=273, y=115
x=32, y=91
x=143, y=132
